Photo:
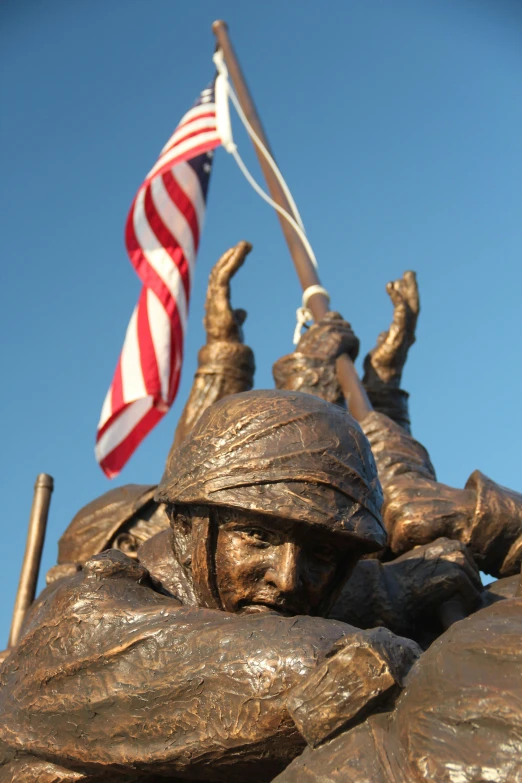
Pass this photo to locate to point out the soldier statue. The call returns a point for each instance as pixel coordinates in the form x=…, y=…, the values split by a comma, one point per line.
x=297, y=600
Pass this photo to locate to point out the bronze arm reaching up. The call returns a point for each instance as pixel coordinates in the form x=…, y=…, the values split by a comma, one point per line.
x=384, y=364
x=311, y=367
x=225, y=364
x=418, y=509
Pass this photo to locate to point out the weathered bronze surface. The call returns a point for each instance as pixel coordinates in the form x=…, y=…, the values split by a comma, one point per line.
x=273, y=497
x=252, y=618
x=459, y=718
x=226, y=365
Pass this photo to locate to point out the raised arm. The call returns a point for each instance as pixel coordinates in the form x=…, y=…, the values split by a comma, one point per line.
x=384, y=364
x=311, y=368
x=417, y=509
x=225, y=364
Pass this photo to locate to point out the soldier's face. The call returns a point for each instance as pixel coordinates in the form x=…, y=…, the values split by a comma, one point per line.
x=264, y=564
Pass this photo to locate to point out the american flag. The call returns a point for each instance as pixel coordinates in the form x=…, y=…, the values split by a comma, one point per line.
x=162, y=237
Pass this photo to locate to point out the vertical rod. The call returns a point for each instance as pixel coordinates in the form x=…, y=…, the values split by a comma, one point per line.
x=353, y=390
x=33, y=553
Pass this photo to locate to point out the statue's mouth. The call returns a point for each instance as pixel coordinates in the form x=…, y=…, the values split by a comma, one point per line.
x=265, y=607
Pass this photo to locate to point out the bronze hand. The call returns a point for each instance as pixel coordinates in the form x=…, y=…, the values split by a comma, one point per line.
x=221, y=321
x=385, y=363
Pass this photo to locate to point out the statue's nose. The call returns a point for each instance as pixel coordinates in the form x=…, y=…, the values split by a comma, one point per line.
x=283, y=572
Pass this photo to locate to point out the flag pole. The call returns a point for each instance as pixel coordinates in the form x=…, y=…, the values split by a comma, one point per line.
x=353, y=390
x=33, y=554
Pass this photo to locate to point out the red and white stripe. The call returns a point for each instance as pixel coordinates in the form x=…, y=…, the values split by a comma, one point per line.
x=162, y=238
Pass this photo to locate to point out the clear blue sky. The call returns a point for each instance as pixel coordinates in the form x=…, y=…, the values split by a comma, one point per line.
x=398, y=124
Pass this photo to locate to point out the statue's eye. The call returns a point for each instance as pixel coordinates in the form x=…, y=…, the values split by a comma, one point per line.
x=256, y=534
x=324, y=554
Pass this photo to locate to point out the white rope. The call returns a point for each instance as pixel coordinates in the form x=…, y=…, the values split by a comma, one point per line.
x=303, y=313
x=273, y=165
x=312, y=290
x=219, y=62
x=224, y=127
x=224, y=89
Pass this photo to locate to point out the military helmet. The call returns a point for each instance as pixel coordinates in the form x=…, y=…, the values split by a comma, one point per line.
x=285, y=454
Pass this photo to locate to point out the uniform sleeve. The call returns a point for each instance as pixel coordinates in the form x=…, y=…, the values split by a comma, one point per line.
x=396, y=452
x=391, y=401
x=461, y=712
x=409, y=484
x=223, y=368
x=485, y=516
x=110, y=672
x=495, y=535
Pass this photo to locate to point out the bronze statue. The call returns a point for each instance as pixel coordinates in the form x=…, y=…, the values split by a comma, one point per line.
x=233, y=620
x=459, y=718
x=128, y=667
x=484, y=516
x=126, y=517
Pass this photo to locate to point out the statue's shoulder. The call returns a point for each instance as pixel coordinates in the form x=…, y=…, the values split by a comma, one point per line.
x=95, y=525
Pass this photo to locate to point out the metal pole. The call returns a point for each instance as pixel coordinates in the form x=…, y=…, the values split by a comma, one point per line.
x=33, y=553
x=353, y=390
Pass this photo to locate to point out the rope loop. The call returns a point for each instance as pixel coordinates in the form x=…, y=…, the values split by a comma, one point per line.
x=303, y=313
x=312, y=290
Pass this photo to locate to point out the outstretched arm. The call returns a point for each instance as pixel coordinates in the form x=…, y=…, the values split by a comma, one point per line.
x=225, y=364
x=418, y=509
